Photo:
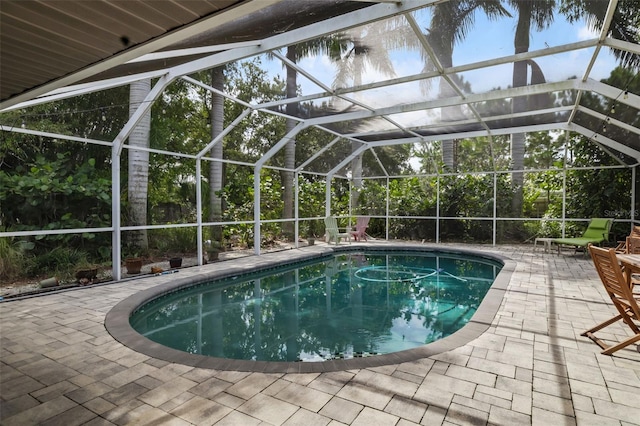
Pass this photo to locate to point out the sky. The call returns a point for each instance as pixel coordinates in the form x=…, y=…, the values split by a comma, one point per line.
x=486, y=40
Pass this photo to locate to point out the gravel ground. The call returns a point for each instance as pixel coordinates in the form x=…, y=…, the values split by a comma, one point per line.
x=27, y=288
x=15, y=289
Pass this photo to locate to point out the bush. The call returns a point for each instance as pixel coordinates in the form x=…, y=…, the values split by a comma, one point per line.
x=174, y=240
x=59, y=261
x=550, y=228
x=11, y=259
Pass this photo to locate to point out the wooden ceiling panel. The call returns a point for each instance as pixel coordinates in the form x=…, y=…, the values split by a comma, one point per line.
x=57, y=24
x=26, y=42
x=170, y=16
x=65, y=36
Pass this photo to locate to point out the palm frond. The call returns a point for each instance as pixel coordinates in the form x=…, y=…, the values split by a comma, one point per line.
x=624, y=26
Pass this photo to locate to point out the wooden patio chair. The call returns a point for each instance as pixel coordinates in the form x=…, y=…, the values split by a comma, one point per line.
x=617, y=287
x=622, y=245
x=633, y=247
x=333, y=232
x=360, y=233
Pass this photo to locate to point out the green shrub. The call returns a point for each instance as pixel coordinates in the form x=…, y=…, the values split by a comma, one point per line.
x=174, y=240
x=11, y=259
x=550, y=228
x=59, y=261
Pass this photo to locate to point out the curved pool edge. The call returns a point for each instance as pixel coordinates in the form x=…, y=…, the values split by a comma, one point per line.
x=117, y=319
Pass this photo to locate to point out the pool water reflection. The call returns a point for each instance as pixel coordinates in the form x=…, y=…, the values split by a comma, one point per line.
x=344, y=306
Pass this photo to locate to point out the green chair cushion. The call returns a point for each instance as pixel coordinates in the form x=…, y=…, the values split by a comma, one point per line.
x=579, y=241
x=596, y=232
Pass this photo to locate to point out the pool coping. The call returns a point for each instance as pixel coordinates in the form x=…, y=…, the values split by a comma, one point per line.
x=117, y=319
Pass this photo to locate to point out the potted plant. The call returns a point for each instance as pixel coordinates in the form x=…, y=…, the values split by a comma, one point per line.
x=311, y=233
x=133, y=264
x=86, y=274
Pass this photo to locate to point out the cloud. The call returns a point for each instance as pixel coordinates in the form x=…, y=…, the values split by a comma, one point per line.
x=586, y=33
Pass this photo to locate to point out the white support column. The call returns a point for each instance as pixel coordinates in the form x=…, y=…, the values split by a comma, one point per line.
x=200, y=239
x=116, y=150
x=327, y=196
x=296, y=203
x=327, y=199
x=256, y=209
x=256, y=180
x=495, y=205
x=438, y=209
x=350, y=210
x=387, y=213
x=116, y=237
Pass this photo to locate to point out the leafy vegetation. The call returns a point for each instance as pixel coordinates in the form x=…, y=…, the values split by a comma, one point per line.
x=58, y=184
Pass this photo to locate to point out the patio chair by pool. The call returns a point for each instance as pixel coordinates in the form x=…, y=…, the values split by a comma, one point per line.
x=617, y=287
x=360, y=232
x=633, y=247
x=622, y=245
x=333, y=232
x=596, y=233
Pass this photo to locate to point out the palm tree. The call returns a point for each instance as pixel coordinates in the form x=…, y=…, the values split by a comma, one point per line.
x=290, y=147
x=449, y=25
x=331, y=45
x=372, y=54
x=540, y=15
x=215, y=168
x=138, y=181
x=626, y=21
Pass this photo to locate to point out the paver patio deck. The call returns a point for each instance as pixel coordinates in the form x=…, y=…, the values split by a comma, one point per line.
x=59, y=365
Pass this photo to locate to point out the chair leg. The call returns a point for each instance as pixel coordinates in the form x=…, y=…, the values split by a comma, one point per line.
x=624, y=343
x=609, y=349
x=602, y=325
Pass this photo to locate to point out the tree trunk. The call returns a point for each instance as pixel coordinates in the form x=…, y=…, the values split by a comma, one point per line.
x=520, y=77
x=443, y=46
x=290, y=148
x=138, y=181
x=215, y=167
x=447, y=154
x=517, y=177
x=356, y=163
x=356, y=171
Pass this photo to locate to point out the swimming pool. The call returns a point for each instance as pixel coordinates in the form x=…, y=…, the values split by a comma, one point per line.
x=374, y=306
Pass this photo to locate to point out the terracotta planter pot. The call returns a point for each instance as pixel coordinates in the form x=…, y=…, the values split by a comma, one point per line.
x=133, y=265
x=89, y=274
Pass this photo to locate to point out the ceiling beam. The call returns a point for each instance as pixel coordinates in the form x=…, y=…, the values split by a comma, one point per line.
x=604, y=140
x=299, y=35
x=609, y=120
x=230, y=14
x=439, y=103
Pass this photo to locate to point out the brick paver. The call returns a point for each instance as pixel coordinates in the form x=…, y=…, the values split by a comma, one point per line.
x=59, y=365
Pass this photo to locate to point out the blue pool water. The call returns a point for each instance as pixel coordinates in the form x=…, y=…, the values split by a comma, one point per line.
x=352, y=304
